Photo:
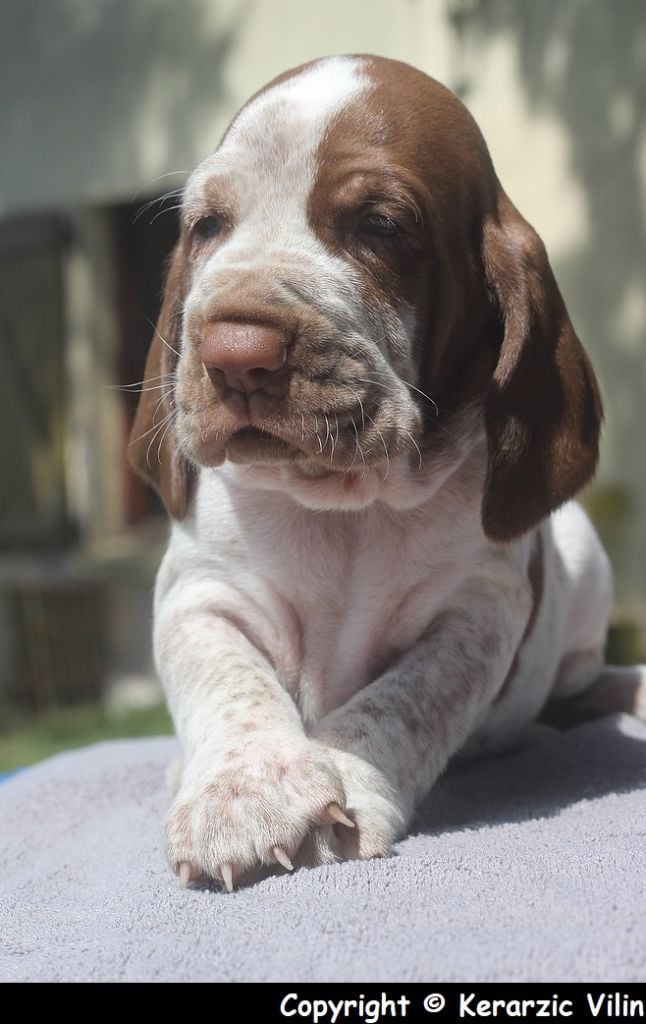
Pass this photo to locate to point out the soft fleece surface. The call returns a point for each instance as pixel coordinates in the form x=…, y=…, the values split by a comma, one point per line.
x=527, y=867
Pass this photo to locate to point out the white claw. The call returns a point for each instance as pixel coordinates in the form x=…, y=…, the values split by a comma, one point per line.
x=226, y=870
x=282, y=858
x=184, y=874
x=334, y=812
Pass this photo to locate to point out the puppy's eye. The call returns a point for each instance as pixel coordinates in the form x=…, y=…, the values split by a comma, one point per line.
x=379, y=226
x=208, y=227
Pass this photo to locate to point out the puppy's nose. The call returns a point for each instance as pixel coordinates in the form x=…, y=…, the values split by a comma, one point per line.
x=243, y=353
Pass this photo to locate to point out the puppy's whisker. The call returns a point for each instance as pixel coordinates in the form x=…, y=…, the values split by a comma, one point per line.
x=163, y=437
x=414, y=442
x=159, y=177
x=174, y=193
x=363, y=414
x=327, y=430
x=155, y=427
x=131, y=390
x=166, y=343
x=422, y=393
x=158, y=428
x=332, y=440
x=316, y=432
x=167, y=209
x=138, y=383
x=159, y=403
x=383, y=441
x=180, y=301
x=357, y=444
x=365, y=380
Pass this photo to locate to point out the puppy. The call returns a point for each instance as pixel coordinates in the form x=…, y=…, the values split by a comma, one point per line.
x=365, y=410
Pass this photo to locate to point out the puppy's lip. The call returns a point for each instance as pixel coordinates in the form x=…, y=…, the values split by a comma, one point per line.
x=264, y=430
x=250, y=433
x=312, y=440
x=312, y=470
x=252, y=444
x=254, y=433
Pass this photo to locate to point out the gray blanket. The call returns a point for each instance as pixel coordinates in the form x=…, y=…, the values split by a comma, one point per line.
x=526, y=867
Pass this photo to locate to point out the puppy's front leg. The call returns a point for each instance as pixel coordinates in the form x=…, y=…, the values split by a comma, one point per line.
x=253, y=784
x=393, y=739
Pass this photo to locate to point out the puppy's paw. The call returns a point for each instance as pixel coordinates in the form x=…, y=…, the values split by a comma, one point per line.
x=373, y=805
x=235, y=813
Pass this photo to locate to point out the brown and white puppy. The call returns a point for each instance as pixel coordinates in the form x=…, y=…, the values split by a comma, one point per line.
x=365, y=400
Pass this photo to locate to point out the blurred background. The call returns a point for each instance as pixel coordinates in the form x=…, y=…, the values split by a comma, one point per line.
x=106, y=105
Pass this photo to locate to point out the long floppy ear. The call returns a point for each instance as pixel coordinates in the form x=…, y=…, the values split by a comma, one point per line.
x=543, y=410
x=153, y=449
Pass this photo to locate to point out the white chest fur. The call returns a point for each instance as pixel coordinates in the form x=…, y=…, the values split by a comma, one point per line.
x=331, y=597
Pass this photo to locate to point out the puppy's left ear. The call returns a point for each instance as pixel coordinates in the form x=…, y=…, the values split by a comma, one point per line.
x=153, y=450
x=543, y=410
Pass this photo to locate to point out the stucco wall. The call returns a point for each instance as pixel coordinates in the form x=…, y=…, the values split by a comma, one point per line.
x=108, y=94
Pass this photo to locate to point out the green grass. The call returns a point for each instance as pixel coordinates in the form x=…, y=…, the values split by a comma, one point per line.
x=25, y=740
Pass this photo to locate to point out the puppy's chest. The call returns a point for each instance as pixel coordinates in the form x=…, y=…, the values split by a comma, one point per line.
x=339, y=597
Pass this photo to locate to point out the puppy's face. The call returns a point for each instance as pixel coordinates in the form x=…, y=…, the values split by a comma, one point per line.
x=308, y=249
x=342, y=292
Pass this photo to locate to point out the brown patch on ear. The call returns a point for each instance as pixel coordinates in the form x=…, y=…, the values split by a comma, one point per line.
x=153, y=456
x=543, y=409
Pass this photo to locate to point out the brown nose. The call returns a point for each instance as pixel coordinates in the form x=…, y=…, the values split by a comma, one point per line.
x=243, y=353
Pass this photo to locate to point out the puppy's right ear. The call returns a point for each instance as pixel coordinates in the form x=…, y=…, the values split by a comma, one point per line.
x=543, y=411
x=153, y=450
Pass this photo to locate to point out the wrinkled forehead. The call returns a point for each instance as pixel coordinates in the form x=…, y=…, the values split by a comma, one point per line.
x=281, y=128
x=359, y=109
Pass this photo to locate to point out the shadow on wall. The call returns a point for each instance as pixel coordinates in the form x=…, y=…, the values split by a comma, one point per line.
x=128, y=83
x=585, y=63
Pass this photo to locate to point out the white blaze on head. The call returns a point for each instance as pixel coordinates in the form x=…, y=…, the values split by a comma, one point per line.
x=267, y=158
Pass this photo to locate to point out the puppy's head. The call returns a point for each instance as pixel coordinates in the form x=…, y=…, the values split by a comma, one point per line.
x=351, y=289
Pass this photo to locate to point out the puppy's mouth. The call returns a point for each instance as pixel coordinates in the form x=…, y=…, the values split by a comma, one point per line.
x=319, y=448
x=318, y=442
x=252, y=445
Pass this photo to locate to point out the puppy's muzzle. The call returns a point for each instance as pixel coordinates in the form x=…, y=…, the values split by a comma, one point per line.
x=244, y=357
